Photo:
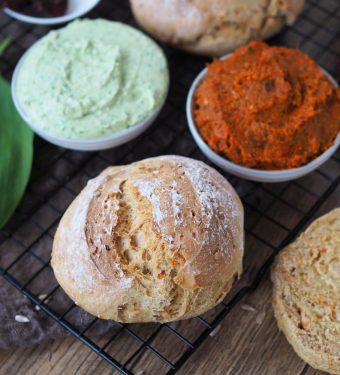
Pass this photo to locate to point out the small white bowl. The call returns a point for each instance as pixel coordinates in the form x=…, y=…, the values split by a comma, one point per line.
x=245, y=172
x=75, y=9
x=95, y=144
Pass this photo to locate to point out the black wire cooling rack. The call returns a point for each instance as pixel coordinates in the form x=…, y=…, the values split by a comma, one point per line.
x=275, y=213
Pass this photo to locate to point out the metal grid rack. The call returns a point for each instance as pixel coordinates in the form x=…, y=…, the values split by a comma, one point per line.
x=275, y=213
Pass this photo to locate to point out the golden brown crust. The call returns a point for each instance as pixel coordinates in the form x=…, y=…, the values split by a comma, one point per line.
x=214, y=27
x=157, y=240
x=306, y=296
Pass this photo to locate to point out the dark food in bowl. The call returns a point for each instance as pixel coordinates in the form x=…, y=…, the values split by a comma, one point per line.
x=37, y=8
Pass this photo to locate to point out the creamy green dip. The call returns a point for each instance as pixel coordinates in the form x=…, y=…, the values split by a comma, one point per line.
x=92, y=78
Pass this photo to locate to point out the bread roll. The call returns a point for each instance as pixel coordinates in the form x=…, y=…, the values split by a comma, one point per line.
x=155, y=241
x=214, y=27
x=306, y=296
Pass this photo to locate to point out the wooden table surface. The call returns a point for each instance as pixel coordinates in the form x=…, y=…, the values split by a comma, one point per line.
x=246, y=343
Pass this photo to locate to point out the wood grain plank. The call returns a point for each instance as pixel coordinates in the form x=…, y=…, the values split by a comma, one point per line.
x=59, y=357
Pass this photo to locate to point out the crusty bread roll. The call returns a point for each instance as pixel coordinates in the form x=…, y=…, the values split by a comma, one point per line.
x=214, y=27
x=306, y=296
x=157, y=240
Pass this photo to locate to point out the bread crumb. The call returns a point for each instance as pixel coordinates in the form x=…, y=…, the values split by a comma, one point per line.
x=215, y=331
x=42, y=297
x=260, y=317
x=21, y=319
x=246, y=307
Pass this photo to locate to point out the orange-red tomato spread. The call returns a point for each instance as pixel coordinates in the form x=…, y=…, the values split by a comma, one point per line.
x=267, y=107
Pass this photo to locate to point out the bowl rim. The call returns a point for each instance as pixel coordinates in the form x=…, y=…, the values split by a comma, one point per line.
x=50, y=20
x=117, y=138
x=238, y=169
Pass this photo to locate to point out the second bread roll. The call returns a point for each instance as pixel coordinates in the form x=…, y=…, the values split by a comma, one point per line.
x=214, y=27
x=157, y=240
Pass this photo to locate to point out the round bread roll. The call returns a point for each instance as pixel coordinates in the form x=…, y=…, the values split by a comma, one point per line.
x=306, y=297
x=154, y=241
x=214, y=27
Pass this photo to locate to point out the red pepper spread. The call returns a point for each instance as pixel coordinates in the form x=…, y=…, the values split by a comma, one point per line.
x=267, y=107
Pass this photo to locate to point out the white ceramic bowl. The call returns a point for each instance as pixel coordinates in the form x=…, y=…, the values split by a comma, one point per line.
x=95, y=144
x=75, y=9
x=245, y=172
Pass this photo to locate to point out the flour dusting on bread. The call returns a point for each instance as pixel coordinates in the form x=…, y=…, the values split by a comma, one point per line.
x=147, y=188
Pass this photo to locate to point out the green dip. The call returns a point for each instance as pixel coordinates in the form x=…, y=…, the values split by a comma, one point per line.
x=92, y=78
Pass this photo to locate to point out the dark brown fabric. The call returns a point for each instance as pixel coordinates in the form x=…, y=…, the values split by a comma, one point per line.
x=40, y=326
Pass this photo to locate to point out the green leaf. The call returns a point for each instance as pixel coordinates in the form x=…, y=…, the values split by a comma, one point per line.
x=16, y=152
x=4, y=44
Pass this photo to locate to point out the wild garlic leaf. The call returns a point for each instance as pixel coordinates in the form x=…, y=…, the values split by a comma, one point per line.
x=4, y=44
x=16, y=151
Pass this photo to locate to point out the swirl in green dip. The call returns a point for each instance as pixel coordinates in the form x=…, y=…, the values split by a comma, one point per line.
x=92, y=78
